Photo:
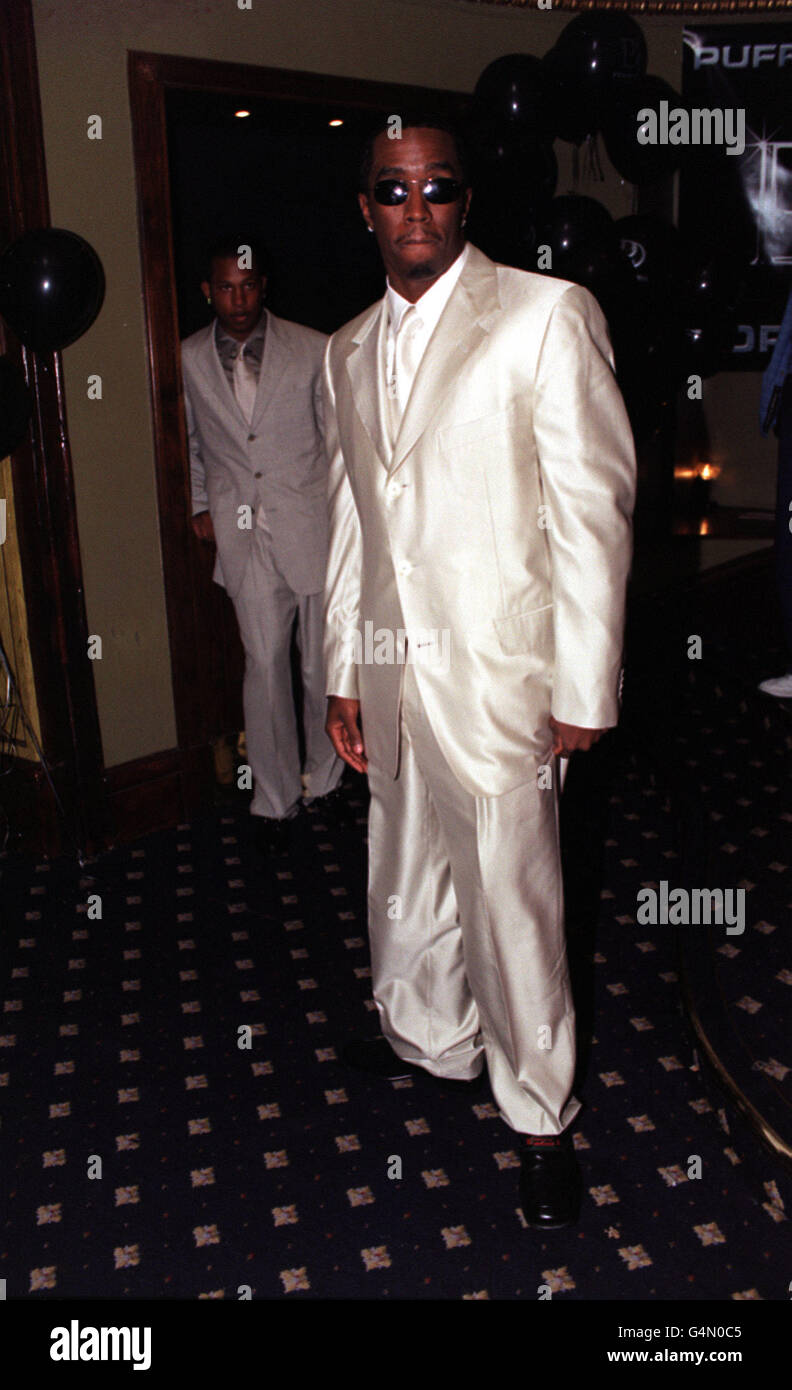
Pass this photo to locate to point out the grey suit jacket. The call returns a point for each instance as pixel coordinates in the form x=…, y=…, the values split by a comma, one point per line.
x=277, y=460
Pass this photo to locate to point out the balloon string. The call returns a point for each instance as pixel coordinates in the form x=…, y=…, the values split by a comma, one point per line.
x=592, y=164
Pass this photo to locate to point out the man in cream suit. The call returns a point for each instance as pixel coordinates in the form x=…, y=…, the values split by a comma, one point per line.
x=252, y=395
x=481, y=489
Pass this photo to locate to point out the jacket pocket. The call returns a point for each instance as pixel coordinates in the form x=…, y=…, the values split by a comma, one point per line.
x=531, y=631
x=473, y=434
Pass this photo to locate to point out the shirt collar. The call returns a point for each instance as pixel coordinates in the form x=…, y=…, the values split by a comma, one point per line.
x=254, y=338
x=431, y=304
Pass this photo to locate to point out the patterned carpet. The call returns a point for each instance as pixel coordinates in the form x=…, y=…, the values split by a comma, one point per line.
x=176, y=1122
x=720, y=754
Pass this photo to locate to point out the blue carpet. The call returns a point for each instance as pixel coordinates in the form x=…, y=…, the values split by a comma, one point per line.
x=151, y=1155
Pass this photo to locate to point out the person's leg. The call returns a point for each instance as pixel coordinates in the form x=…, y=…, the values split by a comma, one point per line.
x=505, y=866
x=426, y=1010
x=265, y=608
x=323, y=768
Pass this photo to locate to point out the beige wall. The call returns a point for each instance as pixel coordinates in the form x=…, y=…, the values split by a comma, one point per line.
x=82, y=52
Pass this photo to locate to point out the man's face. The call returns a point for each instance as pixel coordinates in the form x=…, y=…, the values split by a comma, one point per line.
x=418, y=240
x=237, y=296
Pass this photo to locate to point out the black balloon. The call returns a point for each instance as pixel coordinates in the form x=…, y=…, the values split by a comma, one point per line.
x=704, y=304
x=508, y=238
x=581, y=235
x=652, y=248
x=51, y=288
x=638, y=162
x=599, y=50
x=537, y=166
x=708, y=281
x=600, y=269
x=15, y=406
x=595, y=56
x=702, y=346
x=496, y=144
x=514, y=178
x=577, y=225
x=574, y=113
x=516, y=89
x=647, y=329
x=507, y=164
x=505, y=232
x=646, y=335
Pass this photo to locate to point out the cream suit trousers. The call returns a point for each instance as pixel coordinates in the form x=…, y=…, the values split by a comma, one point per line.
x=265, y=607
x=467, y=934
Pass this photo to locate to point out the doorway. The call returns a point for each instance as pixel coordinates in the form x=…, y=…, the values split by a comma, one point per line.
x=288, y=169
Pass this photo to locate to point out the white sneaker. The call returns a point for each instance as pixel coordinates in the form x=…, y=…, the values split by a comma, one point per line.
x=780, y=686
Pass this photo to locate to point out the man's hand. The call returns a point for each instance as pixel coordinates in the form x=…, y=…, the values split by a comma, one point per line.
x=202, y=526
x=343, y=729
x=571, y=738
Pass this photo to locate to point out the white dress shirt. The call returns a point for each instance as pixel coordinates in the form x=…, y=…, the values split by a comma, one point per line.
x=428, y=310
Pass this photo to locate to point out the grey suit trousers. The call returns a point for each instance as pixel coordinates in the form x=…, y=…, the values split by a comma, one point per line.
x=266, y=607
x=466, y=926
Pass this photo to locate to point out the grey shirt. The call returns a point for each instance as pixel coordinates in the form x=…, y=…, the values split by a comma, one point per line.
x=253, y=347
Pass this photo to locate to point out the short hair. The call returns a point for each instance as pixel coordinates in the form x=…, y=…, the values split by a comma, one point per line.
x=227, y=248
x=423, y=120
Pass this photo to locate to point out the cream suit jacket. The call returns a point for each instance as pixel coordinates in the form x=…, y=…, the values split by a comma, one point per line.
x=277, y=459
x=499, y=524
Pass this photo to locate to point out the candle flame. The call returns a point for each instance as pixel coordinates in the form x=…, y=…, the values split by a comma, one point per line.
x=700, y=469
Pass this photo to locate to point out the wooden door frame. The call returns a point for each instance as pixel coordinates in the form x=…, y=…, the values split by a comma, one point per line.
x=44, y=506
x=151, y=76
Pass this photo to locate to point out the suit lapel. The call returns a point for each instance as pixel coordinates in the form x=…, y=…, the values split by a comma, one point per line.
x=463, y=324
x=274, y=361
x=365, y=370
x=218, y=382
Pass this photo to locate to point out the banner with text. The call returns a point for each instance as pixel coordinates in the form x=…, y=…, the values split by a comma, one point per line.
x=743, y=203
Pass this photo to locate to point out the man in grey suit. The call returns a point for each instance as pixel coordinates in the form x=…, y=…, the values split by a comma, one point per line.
x=252, y=395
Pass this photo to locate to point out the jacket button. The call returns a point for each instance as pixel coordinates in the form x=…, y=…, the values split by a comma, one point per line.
x=256, y=475
x=251, y=437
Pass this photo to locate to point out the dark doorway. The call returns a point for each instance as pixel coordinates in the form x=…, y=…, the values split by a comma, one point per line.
x=285, y=175
x=288, y=173
x=201, y=171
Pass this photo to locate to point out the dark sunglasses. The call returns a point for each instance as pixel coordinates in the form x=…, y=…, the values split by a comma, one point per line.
x=391, y=192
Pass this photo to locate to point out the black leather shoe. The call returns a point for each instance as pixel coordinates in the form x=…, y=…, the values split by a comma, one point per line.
x=273, y=837
x=376, y=1057
x=550, y=1186
x=333, y=808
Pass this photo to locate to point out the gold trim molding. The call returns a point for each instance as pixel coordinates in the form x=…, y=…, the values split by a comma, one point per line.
x=761, y=1127
x=641, y=7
